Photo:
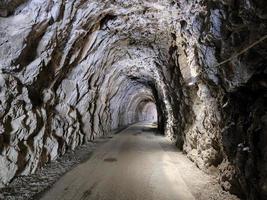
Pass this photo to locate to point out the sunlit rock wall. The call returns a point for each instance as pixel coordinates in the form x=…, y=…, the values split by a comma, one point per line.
x=75, y=70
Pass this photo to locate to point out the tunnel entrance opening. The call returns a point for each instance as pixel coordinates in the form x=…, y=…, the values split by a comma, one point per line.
x=146, y=111
x=149, y=113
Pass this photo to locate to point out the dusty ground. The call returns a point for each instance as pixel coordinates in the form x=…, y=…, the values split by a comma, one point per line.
x=31, y=186
x=136, y=164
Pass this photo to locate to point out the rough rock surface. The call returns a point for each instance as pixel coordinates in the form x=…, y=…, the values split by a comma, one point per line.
x=35, y=186
x=74, y=70
x=31, y=187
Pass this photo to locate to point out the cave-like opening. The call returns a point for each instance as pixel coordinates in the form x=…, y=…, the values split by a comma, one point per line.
x=148, y=112
x=72, y=72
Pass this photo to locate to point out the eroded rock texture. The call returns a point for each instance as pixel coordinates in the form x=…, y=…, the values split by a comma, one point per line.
x=75, y=70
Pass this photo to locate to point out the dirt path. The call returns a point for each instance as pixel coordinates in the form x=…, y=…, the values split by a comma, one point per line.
x=136, y=164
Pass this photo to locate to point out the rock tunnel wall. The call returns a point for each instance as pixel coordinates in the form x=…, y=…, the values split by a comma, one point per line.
x=75, y=70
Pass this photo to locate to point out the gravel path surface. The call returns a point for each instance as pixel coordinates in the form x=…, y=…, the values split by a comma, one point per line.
x=136, y=164
x=31, y=186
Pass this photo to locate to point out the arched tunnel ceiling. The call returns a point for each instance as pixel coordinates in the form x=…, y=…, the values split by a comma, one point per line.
x=87, y=65
x=75, y=70
x=100, y=47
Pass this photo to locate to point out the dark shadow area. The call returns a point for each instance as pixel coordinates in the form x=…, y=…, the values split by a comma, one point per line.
x=152, y=129
x=110, y=160
x=244, y=137
x=138, y=133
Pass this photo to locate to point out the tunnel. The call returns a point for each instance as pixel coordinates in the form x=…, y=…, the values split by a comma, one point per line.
x=148, y=111
x=168, y=98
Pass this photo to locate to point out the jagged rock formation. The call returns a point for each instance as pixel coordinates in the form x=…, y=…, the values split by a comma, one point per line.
x=75, y=70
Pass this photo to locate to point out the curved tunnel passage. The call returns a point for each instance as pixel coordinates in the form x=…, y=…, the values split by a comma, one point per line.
x=73, y=71
x=147, y=111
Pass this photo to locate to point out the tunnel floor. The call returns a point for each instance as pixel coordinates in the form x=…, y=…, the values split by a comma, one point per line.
x=136, y=164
